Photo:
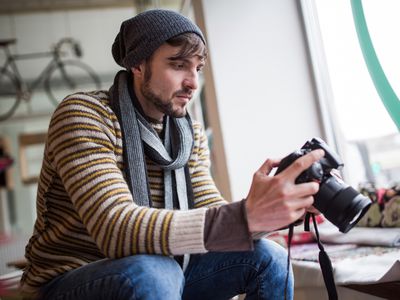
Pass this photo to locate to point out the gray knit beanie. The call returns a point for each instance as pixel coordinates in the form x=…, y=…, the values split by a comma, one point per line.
x=141, y=35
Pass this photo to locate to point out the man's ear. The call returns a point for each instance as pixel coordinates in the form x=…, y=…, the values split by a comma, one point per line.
x=138, y=71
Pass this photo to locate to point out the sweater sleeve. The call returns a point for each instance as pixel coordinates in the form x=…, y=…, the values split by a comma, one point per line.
x=83, y=147
x=226, y=228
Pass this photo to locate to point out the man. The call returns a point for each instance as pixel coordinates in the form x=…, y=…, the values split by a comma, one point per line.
x=125, y=194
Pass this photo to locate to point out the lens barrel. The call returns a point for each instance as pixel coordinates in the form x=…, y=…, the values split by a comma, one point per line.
x=341, y=204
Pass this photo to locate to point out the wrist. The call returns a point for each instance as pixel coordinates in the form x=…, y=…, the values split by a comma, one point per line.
x=247, y=216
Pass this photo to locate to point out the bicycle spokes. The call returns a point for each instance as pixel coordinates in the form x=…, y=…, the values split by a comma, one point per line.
x=9, y=95
x=69, y=77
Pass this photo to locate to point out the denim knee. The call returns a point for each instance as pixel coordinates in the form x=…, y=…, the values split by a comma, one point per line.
x=144, y=277
x=273, y=260
x=271, y=253
x=155, y=277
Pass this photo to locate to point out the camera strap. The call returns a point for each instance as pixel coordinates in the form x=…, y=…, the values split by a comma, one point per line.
x=324, y=261
x=289, y=242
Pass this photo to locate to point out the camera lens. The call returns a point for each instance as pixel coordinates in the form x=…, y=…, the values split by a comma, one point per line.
x=341, y=204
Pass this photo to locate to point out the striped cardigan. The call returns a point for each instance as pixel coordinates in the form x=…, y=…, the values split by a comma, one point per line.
x=85, y=211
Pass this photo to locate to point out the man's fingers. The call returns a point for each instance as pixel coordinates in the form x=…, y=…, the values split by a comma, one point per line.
x=306, y=189
x=302, y=163
x=303, y=202
x=313, y=210
x=299, y=214
x=268, y=165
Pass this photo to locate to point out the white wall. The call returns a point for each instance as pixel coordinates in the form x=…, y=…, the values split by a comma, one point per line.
x=263, y=82
x=95, y=29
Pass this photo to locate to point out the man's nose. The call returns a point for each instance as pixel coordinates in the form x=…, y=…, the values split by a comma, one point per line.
x=191, y=81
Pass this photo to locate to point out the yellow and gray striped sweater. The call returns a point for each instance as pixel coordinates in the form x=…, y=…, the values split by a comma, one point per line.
x=85, y=211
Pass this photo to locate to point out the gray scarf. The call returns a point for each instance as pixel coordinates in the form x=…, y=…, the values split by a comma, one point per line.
x=140, y=140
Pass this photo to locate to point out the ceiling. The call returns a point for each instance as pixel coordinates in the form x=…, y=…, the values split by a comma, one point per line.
x=18, y=6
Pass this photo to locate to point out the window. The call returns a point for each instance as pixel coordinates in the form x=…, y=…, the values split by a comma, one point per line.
x=367, y=136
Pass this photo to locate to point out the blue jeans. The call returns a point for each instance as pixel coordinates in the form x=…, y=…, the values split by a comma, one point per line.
x=260, y=274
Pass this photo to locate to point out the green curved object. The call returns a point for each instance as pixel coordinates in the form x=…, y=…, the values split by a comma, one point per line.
x=382, y=85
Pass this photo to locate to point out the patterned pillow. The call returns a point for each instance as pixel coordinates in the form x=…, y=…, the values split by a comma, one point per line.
x=385, y=209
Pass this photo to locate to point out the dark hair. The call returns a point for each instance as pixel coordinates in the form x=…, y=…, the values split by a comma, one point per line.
x=191, y=44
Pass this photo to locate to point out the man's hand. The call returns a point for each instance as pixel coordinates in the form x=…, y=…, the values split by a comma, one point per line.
x=274, y=202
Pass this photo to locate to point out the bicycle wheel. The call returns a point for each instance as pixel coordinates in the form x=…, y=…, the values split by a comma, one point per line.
x=9, y=95
x=68, y=77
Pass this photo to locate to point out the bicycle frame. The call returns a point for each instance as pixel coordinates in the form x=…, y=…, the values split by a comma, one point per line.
x=10, y=64
x=57, y=76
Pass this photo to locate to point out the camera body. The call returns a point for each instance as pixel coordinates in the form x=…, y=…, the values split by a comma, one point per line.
x=338, y=202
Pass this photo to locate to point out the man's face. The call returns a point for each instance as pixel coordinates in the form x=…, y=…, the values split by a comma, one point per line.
x=168, y=82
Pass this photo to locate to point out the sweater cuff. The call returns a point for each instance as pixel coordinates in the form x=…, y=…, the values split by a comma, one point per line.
x=187, y=232
x=226, y=228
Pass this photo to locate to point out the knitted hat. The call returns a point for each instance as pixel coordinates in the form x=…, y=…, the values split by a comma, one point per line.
x=141, y=35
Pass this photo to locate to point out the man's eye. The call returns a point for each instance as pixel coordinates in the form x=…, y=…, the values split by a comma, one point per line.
x=178, y=66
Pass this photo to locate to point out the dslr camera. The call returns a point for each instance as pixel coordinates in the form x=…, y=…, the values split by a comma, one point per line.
x=338, y=202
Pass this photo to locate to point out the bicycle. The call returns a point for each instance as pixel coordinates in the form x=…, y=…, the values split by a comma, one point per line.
x=60, y=76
